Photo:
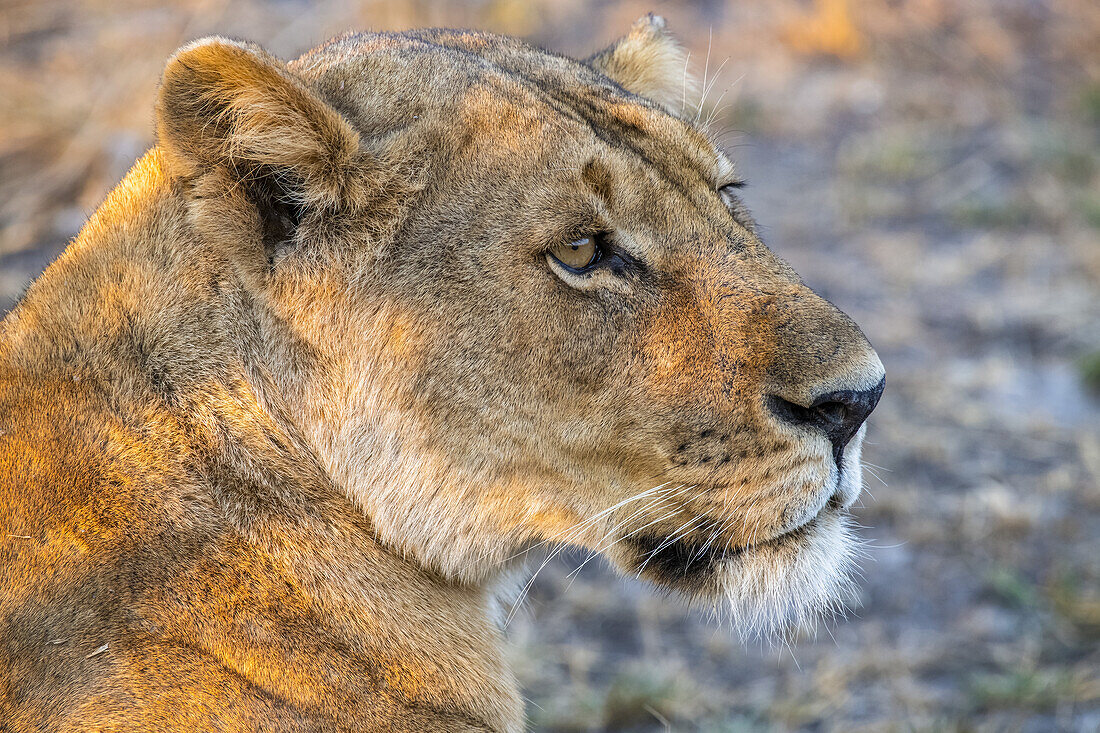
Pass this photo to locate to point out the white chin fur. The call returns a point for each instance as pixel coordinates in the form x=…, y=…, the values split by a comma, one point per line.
x=782, y=587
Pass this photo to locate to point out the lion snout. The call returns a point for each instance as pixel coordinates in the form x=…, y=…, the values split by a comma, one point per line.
x=838, y=414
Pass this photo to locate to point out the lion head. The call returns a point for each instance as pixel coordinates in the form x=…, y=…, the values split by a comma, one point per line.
x=513, y=299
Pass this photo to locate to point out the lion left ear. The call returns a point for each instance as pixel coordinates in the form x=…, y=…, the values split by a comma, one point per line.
x=232, y=105
x=649, y=62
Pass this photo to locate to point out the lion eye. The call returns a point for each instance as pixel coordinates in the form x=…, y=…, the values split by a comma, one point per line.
x=737, y=210
x=729, y=191
x=578, y=255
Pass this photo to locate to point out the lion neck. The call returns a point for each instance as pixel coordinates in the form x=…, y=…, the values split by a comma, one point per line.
x=166, y=318
x=205, y=373
x=354, y=404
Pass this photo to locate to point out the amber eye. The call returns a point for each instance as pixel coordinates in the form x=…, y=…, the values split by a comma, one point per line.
x=577, y=255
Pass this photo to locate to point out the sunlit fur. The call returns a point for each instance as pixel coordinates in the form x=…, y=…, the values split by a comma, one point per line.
x=786, y=587
x=308, y=385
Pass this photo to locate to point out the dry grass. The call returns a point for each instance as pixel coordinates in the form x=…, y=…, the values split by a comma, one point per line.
x=931, y=167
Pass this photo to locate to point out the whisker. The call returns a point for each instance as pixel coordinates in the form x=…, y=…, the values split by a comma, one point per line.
x=631, y=534
x=670, y=540
x=707, y=87
x=684, y=90
x=568, y=534
x=580, y=525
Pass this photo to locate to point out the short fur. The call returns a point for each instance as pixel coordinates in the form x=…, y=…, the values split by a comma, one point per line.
x=307, y=385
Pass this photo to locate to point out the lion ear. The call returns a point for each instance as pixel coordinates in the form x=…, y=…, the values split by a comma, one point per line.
x=227, y=104
x=649, y=62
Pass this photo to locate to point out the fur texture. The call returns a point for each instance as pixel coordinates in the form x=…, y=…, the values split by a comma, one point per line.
x=309, y=384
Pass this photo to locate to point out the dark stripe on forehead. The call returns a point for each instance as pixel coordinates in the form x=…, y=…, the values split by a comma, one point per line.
x=625, y=137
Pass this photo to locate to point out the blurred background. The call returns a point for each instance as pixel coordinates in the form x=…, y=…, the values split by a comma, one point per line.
x=933, y=168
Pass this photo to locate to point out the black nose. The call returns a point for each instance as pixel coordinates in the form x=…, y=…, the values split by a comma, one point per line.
x=838, y=414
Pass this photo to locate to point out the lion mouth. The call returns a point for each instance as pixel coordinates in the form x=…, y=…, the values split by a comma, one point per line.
x=768, y=588
x=687, y=562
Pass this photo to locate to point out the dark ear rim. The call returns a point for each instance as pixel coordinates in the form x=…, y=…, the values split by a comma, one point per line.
x=230, y=104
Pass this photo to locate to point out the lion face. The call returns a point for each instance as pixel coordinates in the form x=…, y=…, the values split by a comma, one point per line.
x=550, y=320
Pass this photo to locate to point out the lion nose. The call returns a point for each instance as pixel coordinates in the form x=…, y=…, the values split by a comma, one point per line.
x=838, y=414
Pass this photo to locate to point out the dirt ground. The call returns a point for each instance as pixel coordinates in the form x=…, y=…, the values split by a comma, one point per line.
x=933, y=168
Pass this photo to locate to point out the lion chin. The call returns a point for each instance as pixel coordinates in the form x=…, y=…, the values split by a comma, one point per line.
x=773, y=589
x=787, y=585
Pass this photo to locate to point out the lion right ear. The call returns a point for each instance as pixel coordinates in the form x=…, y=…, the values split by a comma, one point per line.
x=649, y=62
x=232, y=105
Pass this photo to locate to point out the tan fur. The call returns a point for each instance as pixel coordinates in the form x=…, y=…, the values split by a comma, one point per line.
x=307, y=385
x=649, y=62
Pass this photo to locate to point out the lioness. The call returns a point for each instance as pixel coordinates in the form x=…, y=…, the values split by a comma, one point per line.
x=357, y=333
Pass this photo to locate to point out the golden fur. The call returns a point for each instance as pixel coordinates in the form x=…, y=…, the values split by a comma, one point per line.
x=307, y=385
